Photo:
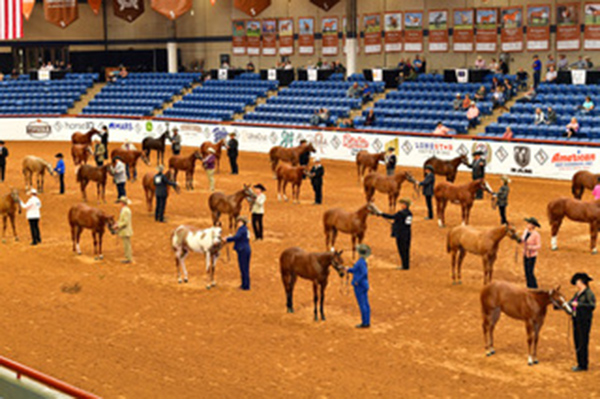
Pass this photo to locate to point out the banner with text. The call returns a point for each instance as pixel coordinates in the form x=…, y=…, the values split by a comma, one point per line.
x=463, y=36
x=538, y=27
x=239, y=37
x=253, y=30
x=591, y=34
x=372, y=23
x=413, y=31
x=486, y=22
x=393, y=32
x=306, y=36
x=330, y=42
x=511, y=32
x=286, y=36
x=269, y=37
x=568, y=32
x=438, y=31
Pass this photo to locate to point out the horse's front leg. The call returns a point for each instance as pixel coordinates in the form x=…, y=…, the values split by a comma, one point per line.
x=323, y=286
x=79, y=231
x=95, y=245
x=100, y=254
x=182, y=256
x=536, y=335
x=491, y=319
x=593, y=237
x=213, y=267
x=453, y=255
x=315, y=299
x=285, y=197
x=208, y=270
x=530, y=341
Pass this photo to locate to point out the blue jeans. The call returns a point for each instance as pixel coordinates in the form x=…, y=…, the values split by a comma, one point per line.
x=362, y=297
x=244, y=264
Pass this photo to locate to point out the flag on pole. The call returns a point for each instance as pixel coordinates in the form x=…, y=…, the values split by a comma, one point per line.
x=11, y=19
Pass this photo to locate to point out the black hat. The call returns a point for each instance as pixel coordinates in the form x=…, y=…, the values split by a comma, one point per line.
x=581, y=276
x=429, y=167
x=59, y=155
x=479, y=152
x=391, y=148
x=533, y=221
x=2, y=142
x=260, y=187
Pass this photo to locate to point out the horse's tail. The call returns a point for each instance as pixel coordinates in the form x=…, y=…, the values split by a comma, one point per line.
x=177, y=237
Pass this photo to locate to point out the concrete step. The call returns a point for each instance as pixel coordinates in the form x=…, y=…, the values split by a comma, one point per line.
x=86, y=98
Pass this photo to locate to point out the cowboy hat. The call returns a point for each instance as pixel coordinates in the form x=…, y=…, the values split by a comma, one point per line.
x=260, y=187
x=429, y=167
x=232, y=134
x=505, y=179
x=478, y=152
x=160, y=168
x=457, y=94
x=123, y=200
x=242, y=219
x=581, y=276
x=211, y=150
x=533, y=221
x=405, y=201
x=175, y=129
x=363, y=250
x=59, y=155
x=33, y=191
x=317, y=159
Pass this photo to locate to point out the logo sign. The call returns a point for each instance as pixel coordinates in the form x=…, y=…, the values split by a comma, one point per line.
x=407, y=147
x=522, y=156
x=486, y=149
x=501, y=154
x=541, y=157
x=573, y=161
x=38, y=129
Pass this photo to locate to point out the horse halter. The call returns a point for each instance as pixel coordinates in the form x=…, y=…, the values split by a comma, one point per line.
x=337, y=266
x=564, y=306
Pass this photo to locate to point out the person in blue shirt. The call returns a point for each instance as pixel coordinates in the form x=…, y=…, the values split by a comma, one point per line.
x=360, y=282
x=60, y=171
x=537, y=70
x=241, y=245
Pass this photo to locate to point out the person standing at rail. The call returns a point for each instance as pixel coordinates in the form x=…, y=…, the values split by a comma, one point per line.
x=582, y=305
x=32, y=212
x=124, y=228
x=99, y=153
x=60, y=171
x=258, y=210
x=390, y=162
x=502, y=198
x=537, y=70
x=210, y=163
x=241, y=241
x=428, y=183
x=532, y=242
x=402, y=230
x=478, y=170
x=316, y=178
x=175, y=141
x=119, y=173
x=232, y=153
x=360, y=282
x=161, y=184
x=3, y=156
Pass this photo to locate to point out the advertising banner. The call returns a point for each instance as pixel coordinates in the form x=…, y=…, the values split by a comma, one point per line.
x=568, y=32
x=269, y=37
x=538, y=27
x=129, y=10
x=438, y=31
x=372, y=23
x=591, y=34
x=172, y=9
x=238, y=42
x=486, y=21
x=61, y=12
x=306, y=36
x=511, y=33
x=413, y=31
x=330, y=40
x=393, y=32
x=253, y=37
x=286, y=36
x=463, y=36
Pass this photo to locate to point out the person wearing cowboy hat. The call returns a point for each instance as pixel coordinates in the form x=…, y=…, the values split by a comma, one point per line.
x=99, y=152
x=428, y=184
x=582, y=305
x=360, y=282
x=124, y=228
x=161, y=190
x=258, y=210
x=209, y=163
x=232, y=153
x=316, y=179
x=175, y=141
x=3, y=156
x=60, y=171
x=32, y=213
x=401, y=230
x=502, y=198
x=390, y=161
x=241, y=245
x=478, y=170
x=532, y=242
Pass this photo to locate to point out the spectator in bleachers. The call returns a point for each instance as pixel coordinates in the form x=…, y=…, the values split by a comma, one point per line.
x=47, y=66
x=232, y=153
x=495, y=83
x=473, y=115
x=572, y=128
x=14, y=74
x=589, y=63
x=480, y=63
x=579, y=64
x=551, y=116
x=412, y=75
x=354, y=91
x=467, y=101
x=417, y=64
x=522, y=77
x=250, y=67
x=499, y=98
x=551, y=62
x=367, y=93
x=563, y=63
x=441, y=130
x=508, y=133
x=510, y=89
x=504, y=69
x=123, y=73
x=480, y=94
x=457, y=104
x=339, y=67
x=536, y=66
x=370, y=119
x=175, y=141
x=494, y=66
x=1, y=77
x=322, y=115
x=99, y=152
x=529, y=96
x=551, y=75
x=587, y=107
x=539, y=118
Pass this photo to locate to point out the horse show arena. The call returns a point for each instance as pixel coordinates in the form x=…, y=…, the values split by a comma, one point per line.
x=133, y=332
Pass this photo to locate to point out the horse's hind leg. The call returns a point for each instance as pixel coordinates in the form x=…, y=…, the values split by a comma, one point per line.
x=555, y=227
x=490, y=321
x=316, y=299
x=79, y=230
x=593, y=237
x=95, y=238
x=536, y=335
x=454, y=253
x=289, y=280
x=322, y=304
x=461, y=257
x=100, y=254
x=4, y=217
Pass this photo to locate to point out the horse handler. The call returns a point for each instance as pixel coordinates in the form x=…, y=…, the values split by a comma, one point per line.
x=60, y=171
x=32, y=212
x=502, y=198
x=210, y=163
x=232, y=153
x=124, y=228
x=241, y=241
x=360, y=282
x=120, y=176
x=478, y=170
x=258, y=210
x=428, y=184
x=316, y=179
x=532, y=242
x=402, y=230
x=161, y=184
x=583, y=305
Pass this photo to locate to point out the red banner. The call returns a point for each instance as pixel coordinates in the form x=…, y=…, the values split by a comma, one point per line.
x=306, y=36
x=463, y=36
x=269, y=37
x=171, y=9
x=251, y=7
x=253, y=37
x=486, y=21
x=372, y=23
x=345, y=34
x=438, y=31
x=128, y=10
x=239, y=37
x=28, y=8
x=568, y=32
x=325, y=4
x=511, y=32
x=413, y=31
x=393, y=31
x=61, y=12
x=330, y=39
x=286, y=36
x=591, y=34
x=95, y=6
x=538, y=27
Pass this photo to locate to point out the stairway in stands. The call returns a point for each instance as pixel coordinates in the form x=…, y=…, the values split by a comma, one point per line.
x=86, y=98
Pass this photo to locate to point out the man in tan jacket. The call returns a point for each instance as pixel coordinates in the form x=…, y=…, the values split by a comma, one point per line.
x=124, y=228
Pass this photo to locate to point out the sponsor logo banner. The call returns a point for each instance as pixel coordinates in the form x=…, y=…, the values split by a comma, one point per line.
x=306, y=36
x=239, y=37
x=511, y=33
x=253, y=37
x=372, y=33
x=413, y=31
x=269, y=37
x=486, y=39
x=330, y=40
x=286, y=36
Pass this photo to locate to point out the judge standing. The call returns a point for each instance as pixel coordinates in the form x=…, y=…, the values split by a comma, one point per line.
x=428, y=184
x=402, y=230
x=241, y=241
x=232, y=153
x=582, y=305
x=360, y=282
x=316, y=179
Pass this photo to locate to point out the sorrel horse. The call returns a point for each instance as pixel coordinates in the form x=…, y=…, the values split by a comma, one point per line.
x=354, y=223
x=82, y=216
x=289, y=174
x=35, y=165
x=582, y=180
x=521, y=304
x=220, y=203
x=463, y=194
x=577, y=211
x=80, y=153
x=186, y=239
x=485, y=243
x=390, y=185
x=84, y=138
x=290, y=155
x=156, y=144
x=367, y=162
x=295, y=262
x=150, y=187
x=186, y=164
x=215, y=146
x=446, y=168
x=87, y=173
x=130, y=158
x=9, y=205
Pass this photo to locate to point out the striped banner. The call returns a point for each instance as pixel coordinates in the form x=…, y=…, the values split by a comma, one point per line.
x=11, y=19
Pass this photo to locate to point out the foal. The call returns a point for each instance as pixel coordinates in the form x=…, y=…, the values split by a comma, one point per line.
x=577, y=211
x=87, y=173
x=220, y=203
x=186, y=164
x=367, y=162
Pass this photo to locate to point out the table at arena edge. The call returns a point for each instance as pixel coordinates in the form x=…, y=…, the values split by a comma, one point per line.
x=475, y=75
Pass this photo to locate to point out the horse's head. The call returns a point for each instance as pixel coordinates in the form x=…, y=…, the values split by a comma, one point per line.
x=111, y=224
x=464, y=160
x=558, y=300
x=248, y=193
x=337, y=262
x=216, y=237
x=481, y=184
x=197, y=155
x=93, y=131
x=511, y=232
x=311, y=148
x=373, y=209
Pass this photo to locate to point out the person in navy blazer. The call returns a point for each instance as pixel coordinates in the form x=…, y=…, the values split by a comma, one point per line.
x=360, y=282
x=428, y=183
x=241, y=245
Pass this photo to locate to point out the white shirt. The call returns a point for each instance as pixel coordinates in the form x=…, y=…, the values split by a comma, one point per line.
x=32, y=207
x=119, y=172
x=259, y=204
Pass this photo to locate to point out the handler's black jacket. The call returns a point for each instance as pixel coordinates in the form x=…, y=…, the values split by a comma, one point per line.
x=3, y=156
x=401, y=228
x=161, y=182
x=586, y=303
x=427, y=184
x=478, y=167
x=303, y=159
x=316, y=175
x=232, y=148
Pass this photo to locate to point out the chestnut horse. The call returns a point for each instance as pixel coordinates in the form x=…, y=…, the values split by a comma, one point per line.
x=87, y=173
x=84, y=138
x=130, y=158
x=577, y=211
x=295, y=262
x=485, y=243
x=447, y=168
x=289, y=174
x=80, y=153
x=463, y=194
x=150, y=187
x=186, y=164
x=582, y=180
x=518, y=303
x=390, y=185
x=219, y=203
x=215, y=146
x=290, y=155
x=156, y=144
x=9, y=204
x=354, y=223
x=35, y=165
x=83, y=217
x=367, y=162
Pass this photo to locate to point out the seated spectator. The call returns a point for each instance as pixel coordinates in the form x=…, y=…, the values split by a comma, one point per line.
x=563, y=63
x=250, y=67
x=494, y=66
x=579, y=64
x=401, y=64
x=587, y=107
x=354, y=91
x=504, y=70
x=321, y=116
x=539, y=118
x=480, y=63
x=225, y=65
x=572, y=128
x=346, y=123
x=481, y=94
x=529, y=96
x=417, y=64
x=551, y=62
x=457, y=104
x=467, y=102
x=495, y=83
x=510, y=90
x=441, y=130
x=412, y=75
x=288, y=65
x=499, y=98
x=473, y=115
x=367, y=93
x=339, y=68
x=522, y=77
x=370, y=120
x=551, y=116
x=14, y=74
x=123, y=72
x=508, y=133
x=551, y=75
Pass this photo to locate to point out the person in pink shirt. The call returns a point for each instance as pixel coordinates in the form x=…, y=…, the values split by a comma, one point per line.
x=532, y=242
x=508, y=133
x=596, y=191
x=441, y=130
x=473, y=115
x=480, y=63
x=572, y=128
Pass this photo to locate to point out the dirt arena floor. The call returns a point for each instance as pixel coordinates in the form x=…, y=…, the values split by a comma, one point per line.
x=133, y=332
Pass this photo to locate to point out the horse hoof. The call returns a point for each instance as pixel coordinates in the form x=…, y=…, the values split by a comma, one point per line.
x=3, y=241
x=208, y=286
x=101, y=257
x=16, y=238
x=185, y=280
x=290, y=310
x=536, y=361
x=490, y=353
x=178, y=281
x=554, y=248
x=594, y=251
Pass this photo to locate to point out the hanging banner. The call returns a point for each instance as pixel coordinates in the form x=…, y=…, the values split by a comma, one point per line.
x=95, y=6
x=325, y=4
x=330, y=39
x=171, y=9
x=251, y=7
x=464, y=34
x=253, y=37
x=28, y=8
x=129, y=10
x=568, y=32
x=538, y=27
x=393, y=32
x=306, y=36
x=61, y=12
x=511, y=32
x=486, y=38
x=345, y=34
x=413, y=31
x=438, y=31
x=372, y=33
x=591, y=34
x=269, y=37
x=239, y=37
x=286, y=36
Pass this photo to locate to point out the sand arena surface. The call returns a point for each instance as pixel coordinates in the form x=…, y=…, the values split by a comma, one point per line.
x=133, y=332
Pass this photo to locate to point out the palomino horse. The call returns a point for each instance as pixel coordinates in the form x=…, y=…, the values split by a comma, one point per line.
x=354, y=223
x=186, y=239
x=521, y=304
x=446, y=168
x=295, y=262
x=156, y=144
x=215, y=146
x=577, y=211
x=87, y=173
x=367, y=162
x=290, y=155
x=186, y=164
x=289, y=174
x=219, y=203
x=390, y=185
x=463, y=194
x=582, y=180
x=485, y=243
x=34, y=165
x=130, y=158
x=150, y=187
x=9, y=204
x=84, y=138
x=80, y=153
x=83, y=217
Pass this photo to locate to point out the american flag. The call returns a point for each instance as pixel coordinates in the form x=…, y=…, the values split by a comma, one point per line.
x=11, y=19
